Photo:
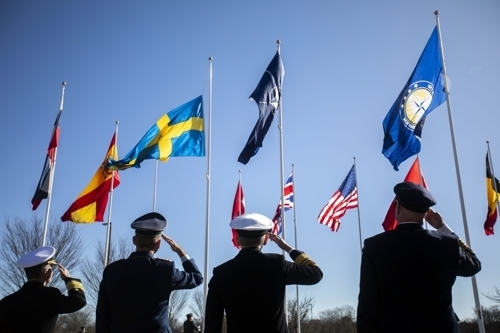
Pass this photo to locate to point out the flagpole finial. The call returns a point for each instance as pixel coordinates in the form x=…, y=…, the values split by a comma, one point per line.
x=210, y=58
x=436, y=12
x=117, y=122
x=487, y=142
x=278, y=42
x=64, y=83
x=293, y=164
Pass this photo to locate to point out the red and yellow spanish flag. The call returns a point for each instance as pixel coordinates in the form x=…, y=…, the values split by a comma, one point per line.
x=492, y=196
x=91, y=203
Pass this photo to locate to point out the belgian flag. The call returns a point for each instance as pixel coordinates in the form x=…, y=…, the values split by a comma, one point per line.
x=492, y=193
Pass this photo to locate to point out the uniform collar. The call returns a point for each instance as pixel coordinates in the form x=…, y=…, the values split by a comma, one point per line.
x=409, y=226
x=249, y=250
x=140, y=254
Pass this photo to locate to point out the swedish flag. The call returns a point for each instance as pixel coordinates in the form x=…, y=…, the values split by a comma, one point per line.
x=180, y=132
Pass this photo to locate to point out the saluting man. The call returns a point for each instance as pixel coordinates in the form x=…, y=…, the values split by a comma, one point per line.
x=134, y=292
x=250, y=288
x=36, y=307
x=407, y=274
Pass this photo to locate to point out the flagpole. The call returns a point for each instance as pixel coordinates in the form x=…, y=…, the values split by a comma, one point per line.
x=459, y=181
x=296, y=246
x=154, y=186
x=359, y=213
x=493, y=179
x=107, y=249
x=51, y=177
x=239, y=183
x=282, y=173
x=209, y=147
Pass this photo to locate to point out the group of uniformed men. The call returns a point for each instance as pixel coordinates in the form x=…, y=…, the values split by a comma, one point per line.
x=405, y=285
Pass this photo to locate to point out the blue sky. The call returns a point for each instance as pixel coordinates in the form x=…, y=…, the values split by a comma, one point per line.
x=345, y=64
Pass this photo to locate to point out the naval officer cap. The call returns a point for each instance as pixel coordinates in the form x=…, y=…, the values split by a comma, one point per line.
x=40, y=257
x=414, y=197
x=151, y=224
x=251, y=225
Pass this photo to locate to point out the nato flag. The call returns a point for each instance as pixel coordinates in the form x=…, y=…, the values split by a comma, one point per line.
x=423, y=92
x=267, y=95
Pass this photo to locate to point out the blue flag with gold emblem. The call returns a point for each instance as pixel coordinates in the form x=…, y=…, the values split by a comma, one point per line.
x=423, y=92
x=180, y=132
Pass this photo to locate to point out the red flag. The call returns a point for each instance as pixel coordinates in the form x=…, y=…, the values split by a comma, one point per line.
x=413, y=176
x=492, y=188
x=238, y=209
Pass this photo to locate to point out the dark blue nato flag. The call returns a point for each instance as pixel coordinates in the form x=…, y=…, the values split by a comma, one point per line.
x=423, y=92
x=267, y=95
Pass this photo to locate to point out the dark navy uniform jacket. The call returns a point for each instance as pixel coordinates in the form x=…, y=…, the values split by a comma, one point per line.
x=250, y=288
x=35, y=308
x=407, y=276
x=134, y=293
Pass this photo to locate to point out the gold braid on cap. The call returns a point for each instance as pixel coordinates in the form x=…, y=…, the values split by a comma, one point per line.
x=304, y=260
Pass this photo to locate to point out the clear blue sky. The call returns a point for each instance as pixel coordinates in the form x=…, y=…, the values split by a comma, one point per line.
x=345, y=64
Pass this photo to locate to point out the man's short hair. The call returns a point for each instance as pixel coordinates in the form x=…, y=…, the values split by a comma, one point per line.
x=147, y=242
x=34, y=272
x=245, y=241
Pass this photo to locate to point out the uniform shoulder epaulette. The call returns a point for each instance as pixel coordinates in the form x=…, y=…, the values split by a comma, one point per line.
x=463, y=245
x=163, y=259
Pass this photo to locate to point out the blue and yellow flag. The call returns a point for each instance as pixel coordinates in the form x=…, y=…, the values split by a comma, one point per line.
x=423, y=92
x=180, y=132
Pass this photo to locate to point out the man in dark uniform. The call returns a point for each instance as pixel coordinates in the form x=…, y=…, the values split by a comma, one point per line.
x=407, y=274
x=250, y=288
x=134, y=292
x=189, y=325
x=35, y=307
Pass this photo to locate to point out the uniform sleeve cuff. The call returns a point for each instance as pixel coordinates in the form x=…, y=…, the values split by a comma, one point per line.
x=185, y=258
x=445, y=229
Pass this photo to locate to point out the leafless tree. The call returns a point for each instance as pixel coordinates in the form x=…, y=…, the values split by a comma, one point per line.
x=73, y=322
x=196, y=305
x=93, y=268
x=23, y=235
x=306, y=304
x=495, y=295
x=178, y=299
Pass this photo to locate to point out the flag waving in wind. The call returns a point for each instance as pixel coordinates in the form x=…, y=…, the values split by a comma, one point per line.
x=238, y=209
x=42, y=189
x=346, y=197
x=91, y=203
x=414, y=176
x=267, y=95
x=180, y=132
x=492, y=192
x=423, y=92
x=288, y=194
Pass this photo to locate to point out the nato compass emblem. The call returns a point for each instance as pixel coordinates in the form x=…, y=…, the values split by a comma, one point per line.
x=415, y=102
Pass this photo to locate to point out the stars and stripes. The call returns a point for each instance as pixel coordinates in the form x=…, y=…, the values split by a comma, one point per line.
x=288, y=194
x=346, y=197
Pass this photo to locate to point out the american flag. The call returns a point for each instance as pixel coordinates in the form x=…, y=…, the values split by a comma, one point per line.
x=288, y=193
x=344, y=198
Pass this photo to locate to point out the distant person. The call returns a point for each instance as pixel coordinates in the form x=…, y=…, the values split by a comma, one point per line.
x=82, y=330
x=189, y=325
x=134, y=293
x=250, y=288
x=35, y=307
x=407, y=274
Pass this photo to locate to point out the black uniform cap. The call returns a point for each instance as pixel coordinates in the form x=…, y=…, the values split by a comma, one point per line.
x=151, y=224
x=414, y=197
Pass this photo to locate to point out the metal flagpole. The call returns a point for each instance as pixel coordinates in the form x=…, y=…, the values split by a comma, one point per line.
x=493, y=179
x=51, y=177
x=239, y=183
x=209, y=146
x=359, y=213
x=282, y=173
x=108, y=229
x=459, y=181
x=154, y=186
x=295, y=227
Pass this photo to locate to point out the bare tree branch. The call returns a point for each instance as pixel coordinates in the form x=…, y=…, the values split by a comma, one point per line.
x=196, y=305
x=24, y=235
x=178, y=299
